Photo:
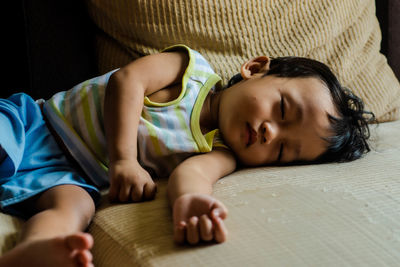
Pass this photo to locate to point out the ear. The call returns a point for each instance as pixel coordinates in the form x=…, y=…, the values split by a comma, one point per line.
x=255, y=66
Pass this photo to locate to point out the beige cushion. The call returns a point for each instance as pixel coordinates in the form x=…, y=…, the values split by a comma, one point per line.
x=317, y=215
x=9, y=231
x=344, y=34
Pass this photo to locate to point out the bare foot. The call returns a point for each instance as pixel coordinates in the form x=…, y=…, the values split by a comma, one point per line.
x=72, y=250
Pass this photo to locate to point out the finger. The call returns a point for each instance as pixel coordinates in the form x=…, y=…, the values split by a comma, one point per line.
x=179, y=232
x=220, y=231
x=124, y=192
x=149, y=191
x=137, y=193
x=192, y=231
x=206, y=228
x=219, y=210
x=113, y=192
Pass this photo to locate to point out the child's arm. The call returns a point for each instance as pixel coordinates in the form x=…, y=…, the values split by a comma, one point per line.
x=196, y=214
x=123, y=105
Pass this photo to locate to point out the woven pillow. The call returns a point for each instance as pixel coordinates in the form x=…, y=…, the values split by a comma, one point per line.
x=344, y=34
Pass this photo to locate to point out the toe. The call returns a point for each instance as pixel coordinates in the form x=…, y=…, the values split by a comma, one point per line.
x=79, y=241
x=84, y=257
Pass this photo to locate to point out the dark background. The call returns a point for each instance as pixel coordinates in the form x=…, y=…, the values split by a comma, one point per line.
x=49, y=47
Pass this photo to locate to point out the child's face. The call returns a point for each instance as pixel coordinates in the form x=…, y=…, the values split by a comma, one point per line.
x=268, y=120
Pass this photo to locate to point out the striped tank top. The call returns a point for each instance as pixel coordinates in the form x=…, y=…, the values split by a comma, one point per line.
x=168, y=133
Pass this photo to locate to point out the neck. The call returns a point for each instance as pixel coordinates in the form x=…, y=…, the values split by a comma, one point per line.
x=209, y=113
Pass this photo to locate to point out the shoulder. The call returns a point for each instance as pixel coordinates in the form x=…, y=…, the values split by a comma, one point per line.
x=197, y=62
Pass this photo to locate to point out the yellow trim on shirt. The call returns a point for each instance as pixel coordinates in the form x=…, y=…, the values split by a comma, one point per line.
x=188, y=72
x=201, y=141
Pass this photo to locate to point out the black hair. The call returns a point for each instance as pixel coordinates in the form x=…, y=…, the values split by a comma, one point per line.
x=350, y=128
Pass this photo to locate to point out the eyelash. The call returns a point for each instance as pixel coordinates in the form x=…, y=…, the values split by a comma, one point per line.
x=283, y=117
x=280, y=152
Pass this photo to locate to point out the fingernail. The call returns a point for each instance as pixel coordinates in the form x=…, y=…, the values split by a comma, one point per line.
x=216, y=213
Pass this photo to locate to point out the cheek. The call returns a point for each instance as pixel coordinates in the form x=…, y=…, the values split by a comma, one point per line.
x=228, y=129
x=256, y=156
x=258, y=108
x=252, y=101
x=247, y=106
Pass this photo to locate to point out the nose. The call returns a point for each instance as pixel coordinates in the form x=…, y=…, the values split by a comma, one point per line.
x=269, y=131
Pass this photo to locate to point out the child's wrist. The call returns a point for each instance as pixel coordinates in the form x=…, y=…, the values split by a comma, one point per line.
x=118, y=160
x=182, y=198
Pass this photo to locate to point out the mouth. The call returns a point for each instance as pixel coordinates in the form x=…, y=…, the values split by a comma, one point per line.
x=251, y=135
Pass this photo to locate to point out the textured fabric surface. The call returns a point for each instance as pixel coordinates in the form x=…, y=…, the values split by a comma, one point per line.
x=317, y=215
x=10, y=228
x=344, y=34
x=288, y=216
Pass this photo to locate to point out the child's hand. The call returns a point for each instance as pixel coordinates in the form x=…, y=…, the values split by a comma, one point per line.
x=130, y=182
x=199, y=217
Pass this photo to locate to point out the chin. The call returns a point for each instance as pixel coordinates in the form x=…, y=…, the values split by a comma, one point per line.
x=247, y=162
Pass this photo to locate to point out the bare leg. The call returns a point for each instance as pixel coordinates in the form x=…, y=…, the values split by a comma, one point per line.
x=53, y=236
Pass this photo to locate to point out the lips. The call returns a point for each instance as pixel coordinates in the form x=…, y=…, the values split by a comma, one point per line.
x=251, y=135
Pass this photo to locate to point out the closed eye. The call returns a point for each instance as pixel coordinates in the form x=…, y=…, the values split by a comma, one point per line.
x=280, y=153
x=282, y=108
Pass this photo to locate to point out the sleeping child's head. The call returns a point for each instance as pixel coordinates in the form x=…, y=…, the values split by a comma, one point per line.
x=289, y=110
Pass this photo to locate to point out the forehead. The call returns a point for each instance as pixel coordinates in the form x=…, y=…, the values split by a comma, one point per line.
x=312, y=98
x=310, y=93
x=311, y=89
x=301, y=84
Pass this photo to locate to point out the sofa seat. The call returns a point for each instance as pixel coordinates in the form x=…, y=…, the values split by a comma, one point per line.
x=315, y=215
x=319, y=215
